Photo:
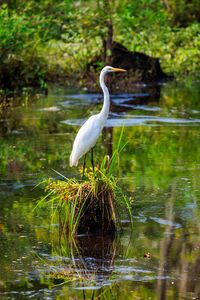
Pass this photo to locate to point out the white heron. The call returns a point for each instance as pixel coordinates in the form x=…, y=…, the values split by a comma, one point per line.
x=88, y=134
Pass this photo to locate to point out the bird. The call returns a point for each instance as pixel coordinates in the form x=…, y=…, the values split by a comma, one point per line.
x=88, y=134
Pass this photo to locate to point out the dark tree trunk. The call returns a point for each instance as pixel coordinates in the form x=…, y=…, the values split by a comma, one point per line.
x=108, y=40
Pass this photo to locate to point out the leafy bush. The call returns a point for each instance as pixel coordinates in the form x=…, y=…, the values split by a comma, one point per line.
x=21, y=64
x=46, y=39
x=177, y=48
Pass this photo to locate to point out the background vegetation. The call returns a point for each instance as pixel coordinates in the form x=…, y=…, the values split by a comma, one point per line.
x=44, y=40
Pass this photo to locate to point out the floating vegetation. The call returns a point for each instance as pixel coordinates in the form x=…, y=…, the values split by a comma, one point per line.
x=88, y=206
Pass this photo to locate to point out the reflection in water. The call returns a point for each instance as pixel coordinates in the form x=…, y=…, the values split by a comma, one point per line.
x=85, y=263
x=160, y=257
x=165, y=248
x=179, y=256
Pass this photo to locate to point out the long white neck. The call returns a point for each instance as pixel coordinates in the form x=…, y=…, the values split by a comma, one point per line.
x=106, y=104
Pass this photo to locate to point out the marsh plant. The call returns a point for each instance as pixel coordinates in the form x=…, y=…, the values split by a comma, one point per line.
x=90, y=205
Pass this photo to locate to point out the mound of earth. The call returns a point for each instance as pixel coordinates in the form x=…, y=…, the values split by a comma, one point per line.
x=144, y=66
x=141, y=68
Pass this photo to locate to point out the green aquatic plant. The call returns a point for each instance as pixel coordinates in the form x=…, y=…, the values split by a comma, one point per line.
x=90, y=205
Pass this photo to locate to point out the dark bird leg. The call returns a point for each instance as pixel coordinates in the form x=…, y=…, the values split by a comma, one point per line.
x=92, y=159
x=84, y=164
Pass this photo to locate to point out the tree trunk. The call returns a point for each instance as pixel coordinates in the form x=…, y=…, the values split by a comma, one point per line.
x=108, y=39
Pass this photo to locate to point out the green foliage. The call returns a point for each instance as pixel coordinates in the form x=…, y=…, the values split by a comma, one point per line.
x=17, y=30
x=144, y=26
x=49, y=39
x=20, y=39
x=177, y=48
x=183, y=12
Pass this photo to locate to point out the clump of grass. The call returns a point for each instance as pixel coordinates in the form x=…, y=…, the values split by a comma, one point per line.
x=88, y=206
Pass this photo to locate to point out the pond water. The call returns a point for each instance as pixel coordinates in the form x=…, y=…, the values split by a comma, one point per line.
x=155, y=257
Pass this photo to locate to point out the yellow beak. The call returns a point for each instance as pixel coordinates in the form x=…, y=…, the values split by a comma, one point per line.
x=118, y=70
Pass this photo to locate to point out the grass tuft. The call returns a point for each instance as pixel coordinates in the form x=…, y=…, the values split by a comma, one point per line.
x=88, y=206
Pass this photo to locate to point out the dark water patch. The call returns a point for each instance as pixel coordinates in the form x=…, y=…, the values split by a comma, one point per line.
x=116, y=99
x=140, y=107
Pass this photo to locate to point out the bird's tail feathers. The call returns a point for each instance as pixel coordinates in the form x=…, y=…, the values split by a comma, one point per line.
x=73, y=161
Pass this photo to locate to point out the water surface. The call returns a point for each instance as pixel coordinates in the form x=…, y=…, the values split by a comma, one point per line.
x=155, y=257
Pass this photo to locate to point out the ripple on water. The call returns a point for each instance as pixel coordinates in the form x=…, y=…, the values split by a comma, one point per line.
x=166, y=222
x=87, y=99
x=50, y=109
x=137, y=120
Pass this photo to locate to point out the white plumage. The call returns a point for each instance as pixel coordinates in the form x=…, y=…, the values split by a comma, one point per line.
x=86, y=139
x=88, y=134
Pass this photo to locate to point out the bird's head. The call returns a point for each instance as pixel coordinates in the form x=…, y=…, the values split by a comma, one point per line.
x=109, y=69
